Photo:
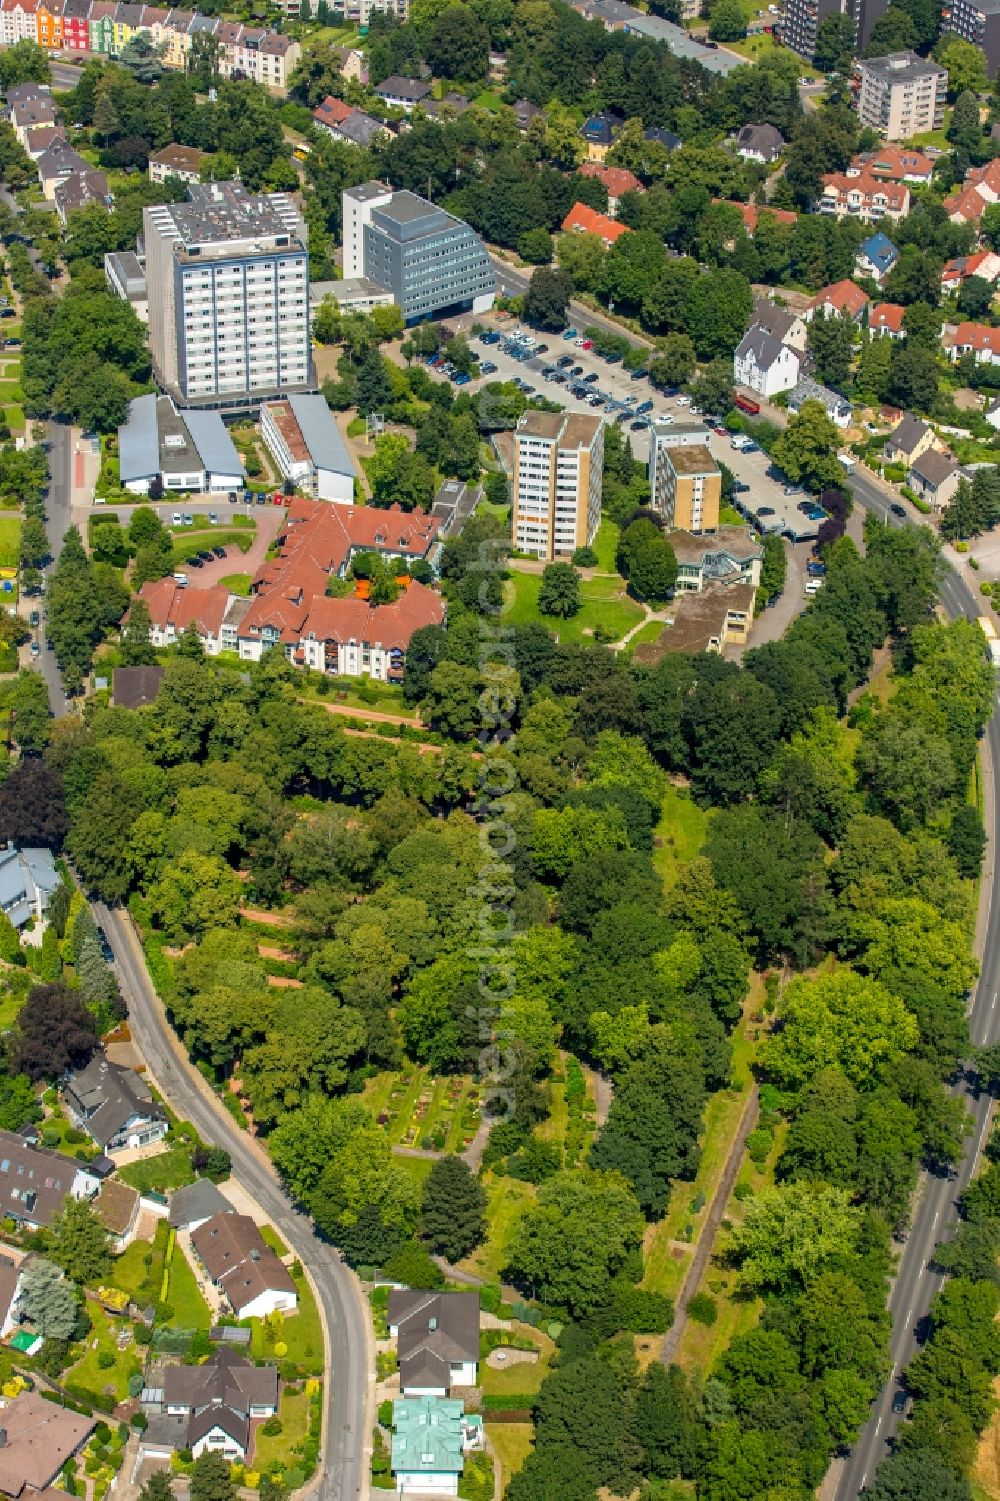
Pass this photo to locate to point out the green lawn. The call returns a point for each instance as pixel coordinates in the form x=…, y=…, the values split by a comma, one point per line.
x=159, y=1174
x=605, y=605
x=15, y=418
x=508, y=1200
x=730, y=516
x=191, y=539
x=645, y=636
x=279, y=1449
x=488, y=99
x=513, y=1443
x=763, y=45
x=10, y=390
x=510, y=1379
x=112, y=1381
x=368, y=694
x=680, y=833
x=605, y=544
x=10, y=539
x=190, y=1311
x=271, y=1238
x=236, y=583
x=300, y=1332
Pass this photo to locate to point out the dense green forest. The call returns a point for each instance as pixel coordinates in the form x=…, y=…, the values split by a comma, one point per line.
x=842, y=842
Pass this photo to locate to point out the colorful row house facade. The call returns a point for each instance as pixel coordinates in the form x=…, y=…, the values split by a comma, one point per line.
x=106, y=27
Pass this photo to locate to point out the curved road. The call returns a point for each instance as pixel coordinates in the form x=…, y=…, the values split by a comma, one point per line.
x=935, y=1210
x=349, y=1357
x=346, y=1447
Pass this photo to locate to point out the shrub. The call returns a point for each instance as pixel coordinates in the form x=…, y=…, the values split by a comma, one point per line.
x=986, y=588
x=585, y=557
x=742, y=1191
x=105, y=1360
x=273, y=1427
x=703, y=1309
x=759, y=1144
x=385, y=1413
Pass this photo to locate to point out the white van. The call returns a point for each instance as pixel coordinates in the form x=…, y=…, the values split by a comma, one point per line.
x=812, y=588
x=181, y=580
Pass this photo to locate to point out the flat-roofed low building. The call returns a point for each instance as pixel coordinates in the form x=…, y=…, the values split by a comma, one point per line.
x=708, y=621
x=558, y=470
x=126, y=276
x=182, y=449
x=687, y=488
x=301, y=434
x=731, y=555
x=355, y=294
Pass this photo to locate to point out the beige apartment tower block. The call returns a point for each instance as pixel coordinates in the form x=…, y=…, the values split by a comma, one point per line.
x=901, y=95
x=689, y=489
x=558, y=471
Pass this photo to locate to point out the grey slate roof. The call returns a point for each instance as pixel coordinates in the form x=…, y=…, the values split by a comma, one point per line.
x=765, y=139
x=764, y=347
x=811, y=390
x=361, y=128
x=775, y=320
x=908, y=434
x=25, y=875
x=106, y=1096
x=934, y=467
x=434, y=1330
x=197, y=1201
x=397, y=87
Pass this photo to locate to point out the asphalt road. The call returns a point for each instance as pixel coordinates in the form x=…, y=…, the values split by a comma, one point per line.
x=345, y=1458
x=935, y=1212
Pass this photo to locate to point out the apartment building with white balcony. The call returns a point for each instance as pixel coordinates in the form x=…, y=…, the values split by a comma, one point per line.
x=558, y=467
x=228, y=284
x=901, y=95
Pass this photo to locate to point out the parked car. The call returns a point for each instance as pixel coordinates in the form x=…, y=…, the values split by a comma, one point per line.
x=591, y=378
x=462, y=379
x=569, y=333
x=107, y=952
x=487, y=368
x=213, y=519
x=205, y=555
x=643, y=408
x=576, y=370
x=720, y=431
x=177, y=519
x=639, y=425
x=194, y=561
x=219, y=552
x=740, y=486
x=35, y=619
x=765, y=511
x=35, y=649
x=639, y=374
x=614, y=358
x=897, y=509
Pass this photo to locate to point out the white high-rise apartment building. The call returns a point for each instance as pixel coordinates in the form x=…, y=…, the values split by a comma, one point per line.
x=228, y=282
x=558, y=470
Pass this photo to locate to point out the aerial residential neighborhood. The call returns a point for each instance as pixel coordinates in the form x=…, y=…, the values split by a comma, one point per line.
x=499, y=561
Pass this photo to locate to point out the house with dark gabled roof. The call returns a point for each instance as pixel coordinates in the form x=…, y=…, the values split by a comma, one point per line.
x=402, y=93
x=934, y=477
x=764, y=364
x=908, y=440
x=209, y=1408
x=437, y=1340
x=114, y=1106
x=195, y=1203
x=234, y=1254
x=759, y=143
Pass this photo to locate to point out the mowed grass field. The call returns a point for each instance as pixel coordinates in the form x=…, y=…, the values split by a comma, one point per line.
x=10, y=539
x=605, y=605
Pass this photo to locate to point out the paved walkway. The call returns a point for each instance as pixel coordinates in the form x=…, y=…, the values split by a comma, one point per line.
x=710, y=1229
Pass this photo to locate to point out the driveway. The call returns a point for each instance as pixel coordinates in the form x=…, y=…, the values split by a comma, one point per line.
x=269, y=519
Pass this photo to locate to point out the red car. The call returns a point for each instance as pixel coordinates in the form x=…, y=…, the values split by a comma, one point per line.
x=587, y=344
x=721, y=432
x=279, y=499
